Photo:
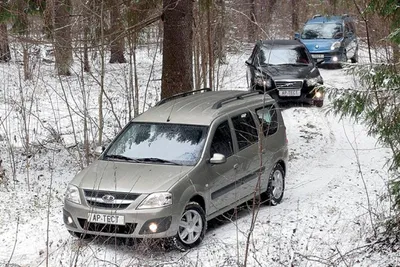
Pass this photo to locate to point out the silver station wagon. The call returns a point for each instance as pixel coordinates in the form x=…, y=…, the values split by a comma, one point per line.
x=183, y=162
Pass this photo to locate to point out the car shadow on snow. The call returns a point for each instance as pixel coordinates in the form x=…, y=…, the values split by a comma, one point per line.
x=289, y=105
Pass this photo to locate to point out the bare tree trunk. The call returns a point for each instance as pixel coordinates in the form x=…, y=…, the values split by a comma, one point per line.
x=210, y=48
x=62, y=37
x=5, y=54
x=295, y=18
x=86, y=41
x=117, y=42
x=333, y=6
x=252, y=26
x=219, y=41
x=48, y=19
x=177, y=75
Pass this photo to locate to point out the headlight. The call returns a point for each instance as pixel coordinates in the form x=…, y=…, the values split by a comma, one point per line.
x=261, y=80
x=335, y=45
x=72, y=194
x=156, y=200
x=313, y=81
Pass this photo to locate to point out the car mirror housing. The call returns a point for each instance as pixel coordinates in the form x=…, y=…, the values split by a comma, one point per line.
x=99, y=150
x=296, y=35
x=218, y=159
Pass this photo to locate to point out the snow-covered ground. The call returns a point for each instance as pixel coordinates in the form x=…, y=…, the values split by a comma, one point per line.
x=336, y=183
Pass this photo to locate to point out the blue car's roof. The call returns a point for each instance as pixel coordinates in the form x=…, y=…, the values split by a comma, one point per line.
x=328, y=19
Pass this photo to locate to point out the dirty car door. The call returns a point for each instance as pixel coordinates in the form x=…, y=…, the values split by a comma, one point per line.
x=222, y=176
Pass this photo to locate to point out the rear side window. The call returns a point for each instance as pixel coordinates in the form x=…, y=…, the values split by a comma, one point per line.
x=268, y=118
x=222, y=140
x=245, y=129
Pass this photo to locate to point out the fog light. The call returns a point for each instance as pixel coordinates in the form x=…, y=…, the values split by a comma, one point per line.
x=318, y=95
x=335, y=59
x=153, y=227
x=70, y=221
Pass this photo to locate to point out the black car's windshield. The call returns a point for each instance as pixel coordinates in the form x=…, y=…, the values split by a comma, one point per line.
x=281, y=55
x=322, y=31
x=159, y=143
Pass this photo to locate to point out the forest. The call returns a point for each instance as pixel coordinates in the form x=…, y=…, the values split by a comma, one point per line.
x=74, y=73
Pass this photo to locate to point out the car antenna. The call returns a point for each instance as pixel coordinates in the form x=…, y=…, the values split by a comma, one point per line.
x=172, y=108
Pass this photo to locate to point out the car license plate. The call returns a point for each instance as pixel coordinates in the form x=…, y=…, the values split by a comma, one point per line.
x=289, y=93
x=106, y=218
x=317, y=55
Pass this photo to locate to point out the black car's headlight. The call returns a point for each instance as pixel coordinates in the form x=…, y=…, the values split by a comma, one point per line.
x=313, y=81
x=261, y=80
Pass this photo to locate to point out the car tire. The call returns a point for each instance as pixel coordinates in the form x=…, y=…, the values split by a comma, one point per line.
x=319, y=103
x=192, y=227
x=354, y=59
x=276, y=186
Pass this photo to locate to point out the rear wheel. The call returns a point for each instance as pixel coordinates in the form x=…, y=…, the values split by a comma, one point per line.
x=192, y=227
x=276, y=186
x=354, y=59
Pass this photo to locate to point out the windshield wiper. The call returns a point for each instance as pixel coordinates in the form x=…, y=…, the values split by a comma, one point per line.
x=292, y=64
x=114, y=156
x=157, y=160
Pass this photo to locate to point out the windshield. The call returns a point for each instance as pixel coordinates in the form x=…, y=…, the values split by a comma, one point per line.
x=322, y=31
x=283, y=55
x=161, y=143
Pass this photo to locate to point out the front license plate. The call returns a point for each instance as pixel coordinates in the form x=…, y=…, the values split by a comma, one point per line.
x=317, y=55
x=289, y=93
x=106, y=218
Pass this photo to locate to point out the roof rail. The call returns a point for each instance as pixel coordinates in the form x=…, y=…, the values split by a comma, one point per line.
x=219, y=103
x=316, y=16
x=162, y=101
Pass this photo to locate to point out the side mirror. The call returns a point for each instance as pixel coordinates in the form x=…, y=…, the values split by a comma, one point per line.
x=296, y=35
x=218, y=159
x=99, y=150
x=338, y=35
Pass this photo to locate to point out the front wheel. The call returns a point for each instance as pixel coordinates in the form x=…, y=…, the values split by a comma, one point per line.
x=276, y=186
x=319, y=103
x=192, y=227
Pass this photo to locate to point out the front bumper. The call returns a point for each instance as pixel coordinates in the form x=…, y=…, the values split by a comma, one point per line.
x=334, y=57
x=136, y=221
x=308, y=95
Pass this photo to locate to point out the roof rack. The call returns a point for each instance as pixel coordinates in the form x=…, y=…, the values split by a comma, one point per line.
x=219, y=103
x=182, y=95
x=316, y=16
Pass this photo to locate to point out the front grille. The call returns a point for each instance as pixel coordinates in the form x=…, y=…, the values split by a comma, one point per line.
x=107, y=205
x=289, y=84
x=127, y=229
x=121, y=200
x=117, y=195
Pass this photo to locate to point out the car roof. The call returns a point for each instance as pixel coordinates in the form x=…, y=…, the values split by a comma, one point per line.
x=202, y=108
x=328, y=19
x=276, y=43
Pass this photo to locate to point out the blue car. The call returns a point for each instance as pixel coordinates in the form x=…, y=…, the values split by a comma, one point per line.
x=330, y=39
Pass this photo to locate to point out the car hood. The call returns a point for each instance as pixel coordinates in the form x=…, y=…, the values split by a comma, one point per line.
x=278, y=72
x=129, y=177
x=319, y=45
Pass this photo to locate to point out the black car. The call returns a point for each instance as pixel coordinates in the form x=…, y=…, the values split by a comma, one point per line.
x=285, y=69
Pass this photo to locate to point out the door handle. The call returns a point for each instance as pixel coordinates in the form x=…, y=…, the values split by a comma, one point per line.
x=235, y=166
